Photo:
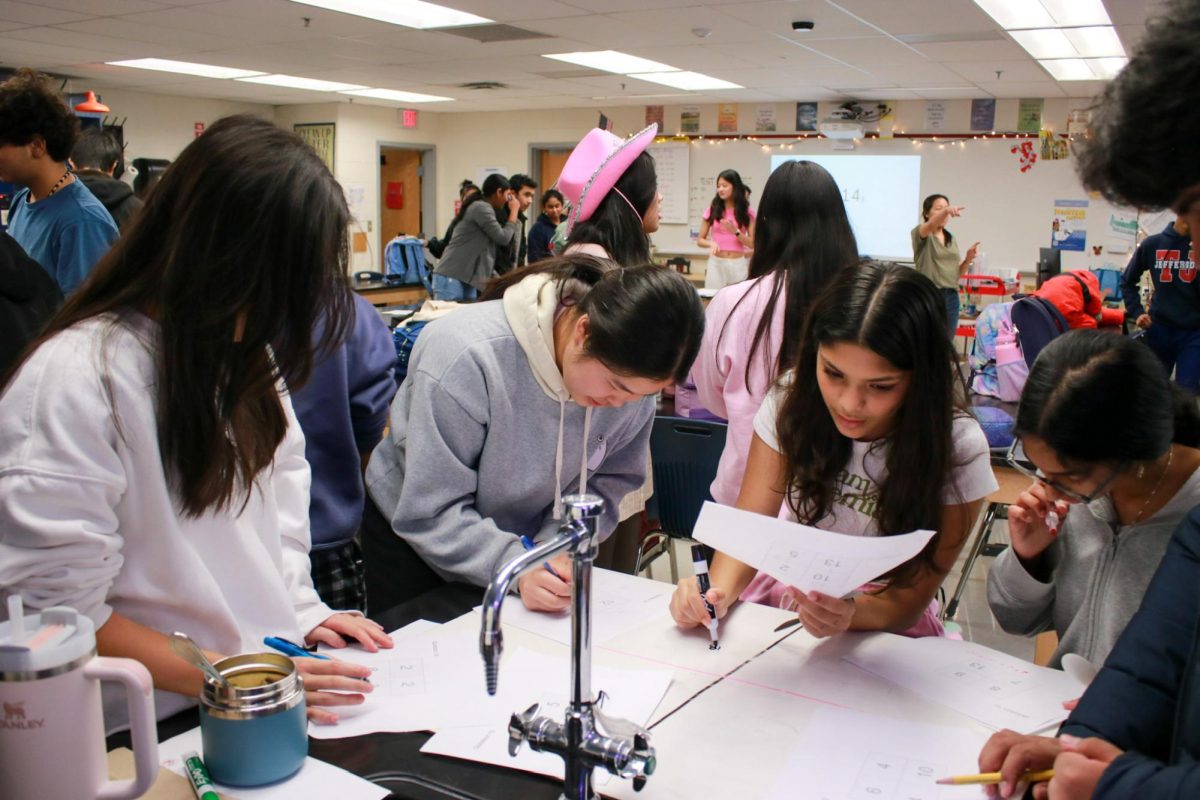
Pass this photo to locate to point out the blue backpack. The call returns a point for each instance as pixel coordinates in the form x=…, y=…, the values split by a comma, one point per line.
x=405, y=260
x=404, y=337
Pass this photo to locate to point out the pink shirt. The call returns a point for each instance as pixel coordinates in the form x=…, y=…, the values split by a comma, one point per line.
x=723, y=239
x=720, y=371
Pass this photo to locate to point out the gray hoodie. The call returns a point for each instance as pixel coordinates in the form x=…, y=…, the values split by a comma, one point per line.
x=484, y=438
x=1100, y=571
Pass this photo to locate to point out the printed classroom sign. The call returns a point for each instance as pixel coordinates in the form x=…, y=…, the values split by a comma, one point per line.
x=320, y=137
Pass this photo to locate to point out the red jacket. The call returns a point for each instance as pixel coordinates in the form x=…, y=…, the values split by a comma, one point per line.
x=1066, y=294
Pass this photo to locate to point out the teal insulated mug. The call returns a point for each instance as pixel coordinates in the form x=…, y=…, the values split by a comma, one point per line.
x=255, y=731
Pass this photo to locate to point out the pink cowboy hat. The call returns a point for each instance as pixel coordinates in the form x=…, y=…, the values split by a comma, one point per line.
x=594, y=166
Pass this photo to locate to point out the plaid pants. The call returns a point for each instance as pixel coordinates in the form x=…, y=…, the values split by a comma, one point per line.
x=338, y=576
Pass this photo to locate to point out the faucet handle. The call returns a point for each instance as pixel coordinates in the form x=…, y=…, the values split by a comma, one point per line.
x=642, y=761
x=519, y=726
x=615, y=726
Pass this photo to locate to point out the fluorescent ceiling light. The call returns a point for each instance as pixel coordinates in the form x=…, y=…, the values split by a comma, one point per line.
x=1023, y=14
x=691, y=81
x=409, y=13
x=1069, y=69
x=612, y=61
x=296, y=82
x=1017, y=13
x=1095, y=42
x=185, y=68
x=1107, y=68
x=1045, y=43
x=399, y=97
x=1070, y=13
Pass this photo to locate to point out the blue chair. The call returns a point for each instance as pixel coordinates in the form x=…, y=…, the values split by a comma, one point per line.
x=1110, y=284
x=684, y=454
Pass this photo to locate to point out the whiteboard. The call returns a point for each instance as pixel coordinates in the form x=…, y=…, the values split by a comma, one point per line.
x=672, y=162
x=1008, y=211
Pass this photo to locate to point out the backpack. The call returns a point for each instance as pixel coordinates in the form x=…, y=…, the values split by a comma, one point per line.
x=404, y=337
x=405, y=260
x=992, y=322
x=1037, y=322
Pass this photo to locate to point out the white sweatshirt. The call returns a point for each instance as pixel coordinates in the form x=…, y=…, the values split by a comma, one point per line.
x=87, y=519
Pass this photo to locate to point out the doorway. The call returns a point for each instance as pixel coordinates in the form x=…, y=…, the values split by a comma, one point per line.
x=548, y=162
x=402, y=181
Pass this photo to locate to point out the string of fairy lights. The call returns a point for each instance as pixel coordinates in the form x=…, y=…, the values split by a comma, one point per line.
x=788, y=141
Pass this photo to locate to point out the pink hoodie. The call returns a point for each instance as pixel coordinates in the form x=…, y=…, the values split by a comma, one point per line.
x=720, y=371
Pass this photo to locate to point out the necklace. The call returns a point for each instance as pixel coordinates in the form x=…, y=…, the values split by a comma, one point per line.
x=1154, y=491
x=61, y=182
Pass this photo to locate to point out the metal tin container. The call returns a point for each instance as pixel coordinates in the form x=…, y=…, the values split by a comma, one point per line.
x=255, y=731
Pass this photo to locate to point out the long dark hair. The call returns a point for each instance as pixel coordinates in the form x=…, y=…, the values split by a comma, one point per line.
x=802, y=238
x=613, y=225
x=898, y=314
x=643, y=320
x=1086, y=378
x=245, y=232
x=927, y=205
x=740, y=197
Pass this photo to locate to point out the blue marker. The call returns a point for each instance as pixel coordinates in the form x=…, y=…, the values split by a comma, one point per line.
x=291, y=648
x=701, y=568
x=528, y=544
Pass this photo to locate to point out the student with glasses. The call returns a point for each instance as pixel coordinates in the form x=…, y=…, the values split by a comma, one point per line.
x=1111, y=446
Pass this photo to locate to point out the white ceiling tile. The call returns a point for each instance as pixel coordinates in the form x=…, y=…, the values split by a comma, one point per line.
x=776, y=17
x=869, y=51
x=123, y=28
x=902, y=18
x=978, y=71
x=101, y=8
x=1047, y=88
x=992, y=50
x=32, y=14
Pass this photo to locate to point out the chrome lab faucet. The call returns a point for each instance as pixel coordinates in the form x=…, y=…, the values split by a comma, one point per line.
x=586, y=738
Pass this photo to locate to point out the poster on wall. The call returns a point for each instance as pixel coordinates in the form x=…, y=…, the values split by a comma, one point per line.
x=806, y=116
x=983, y=114
x=935, y=116
x=654, y=116
x=320, y=137
x=1122, y=231
x=1054, y=148
x=1068, y=230
x=689, y=120
x=764, y=120
x=727, y=118
x=1029, y=114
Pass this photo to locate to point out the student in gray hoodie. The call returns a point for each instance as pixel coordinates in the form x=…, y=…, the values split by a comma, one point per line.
x=490, y=427
x=1111, y=444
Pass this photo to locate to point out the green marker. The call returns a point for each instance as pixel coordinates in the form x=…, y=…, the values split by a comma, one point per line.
x=198, y=775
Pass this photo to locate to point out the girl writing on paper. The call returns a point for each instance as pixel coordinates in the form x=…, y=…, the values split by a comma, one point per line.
x=727, y=231
x=152, y=471
x=865, y=436
x=546, y=387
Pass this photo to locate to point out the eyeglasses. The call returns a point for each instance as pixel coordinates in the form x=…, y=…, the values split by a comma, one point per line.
x=1017, y=459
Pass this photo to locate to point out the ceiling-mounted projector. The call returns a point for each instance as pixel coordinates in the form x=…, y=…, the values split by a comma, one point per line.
x=840, y=129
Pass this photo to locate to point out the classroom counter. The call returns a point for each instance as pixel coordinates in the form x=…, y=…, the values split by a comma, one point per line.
x=750, y=711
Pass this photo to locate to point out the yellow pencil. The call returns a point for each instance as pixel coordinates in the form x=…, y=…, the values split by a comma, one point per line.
x=994, y=777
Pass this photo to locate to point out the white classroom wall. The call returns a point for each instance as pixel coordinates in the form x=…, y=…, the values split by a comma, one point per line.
x=466, y=143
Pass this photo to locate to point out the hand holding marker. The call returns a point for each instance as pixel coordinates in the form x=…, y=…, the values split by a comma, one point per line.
x=1052, y=521
x=701, y=568
x=528, y=544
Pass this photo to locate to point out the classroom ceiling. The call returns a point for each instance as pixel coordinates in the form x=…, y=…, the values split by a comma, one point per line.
x=860, y=49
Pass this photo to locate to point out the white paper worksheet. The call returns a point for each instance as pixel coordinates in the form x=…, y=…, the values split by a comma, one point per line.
x=849, y=755
x=996, y=689
x=802, y=556
x=315, y=778
x=620, y=603
x=529, y=678
x=414, y=683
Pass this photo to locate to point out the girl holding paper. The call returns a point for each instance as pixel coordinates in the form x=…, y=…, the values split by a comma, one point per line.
x=866, y=436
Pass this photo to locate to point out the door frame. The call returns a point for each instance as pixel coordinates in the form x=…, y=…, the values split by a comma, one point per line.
x=428, y=186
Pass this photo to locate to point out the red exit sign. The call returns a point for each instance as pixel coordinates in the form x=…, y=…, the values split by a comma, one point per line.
x=408, y=118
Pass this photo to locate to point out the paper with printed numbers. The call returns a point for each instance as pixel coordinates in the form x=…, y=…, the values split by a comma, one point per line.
x=807, y=558
x=848, y=755
x=998, y=690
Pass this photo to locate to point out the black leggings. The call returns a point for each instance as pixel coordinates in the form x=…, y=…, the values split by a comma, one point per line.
x=395, y=573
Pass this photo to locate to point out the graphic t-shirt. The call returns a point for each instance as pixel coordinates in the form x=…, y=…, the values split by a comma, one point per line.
x=856, y=498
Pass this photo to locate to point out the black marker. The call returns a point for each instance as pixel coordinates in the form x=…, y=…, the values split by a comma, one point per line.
x=701, y=568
